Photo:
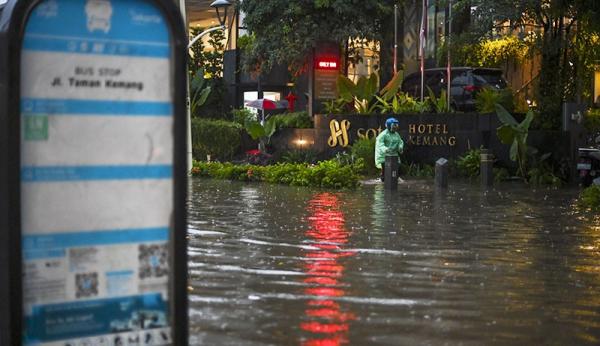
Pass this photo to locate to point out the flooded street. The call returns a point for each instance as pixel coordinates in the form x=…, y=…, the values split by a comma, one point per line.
x=278, y=265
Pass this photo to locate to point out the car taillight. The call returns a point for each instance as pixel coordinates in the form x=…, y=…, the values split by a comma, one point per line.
x=471, y=88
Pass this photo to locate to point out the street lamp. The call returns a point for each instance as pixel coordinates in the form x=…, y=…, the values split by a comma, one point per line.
x=219, y=5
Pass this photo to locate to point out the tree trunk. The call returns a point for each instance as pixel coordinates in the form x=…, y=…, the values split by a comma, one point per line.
x=550, y=93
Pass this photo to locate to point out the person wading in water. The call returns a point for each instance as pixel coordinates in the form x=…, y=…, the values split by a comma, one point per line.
x=388, y=143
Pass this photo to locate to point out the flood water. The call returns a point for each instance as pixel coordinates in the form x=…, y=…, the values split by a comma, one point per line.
x=278, y=265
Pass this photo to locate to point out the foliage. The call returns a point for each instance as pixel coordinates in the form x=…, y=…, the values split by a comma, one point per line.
x=542, y=173
x=438, y=104
x=348, y=159
x=360, y=93
x=246, y=42
x=296, y=120
x=364, y=148
x=545, y=171
x=328, y=174
x=487, y=98
x=210, y=59
x=241, y=115
x=500, y=174
x=469, y=164
x=563, y=35
x=515, y=134
x=218, y=138
x=416, y=170
x=590, y=198
x=334, y=106
x=591, y=120
x=257, y=157
x=287, y=30
x=261, y=132
x=199, y=91
x=299, y=156
x=391, y=89
x=402, y=103
x=471, y=50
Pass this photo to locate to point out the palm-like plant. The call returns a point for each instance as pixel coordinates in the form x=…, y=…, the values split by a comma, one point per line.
x=199, y=91
x=515, y=134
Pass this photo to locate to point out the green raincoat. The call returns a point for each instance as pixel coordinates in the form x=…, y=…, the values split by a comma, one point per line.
x=388, y=144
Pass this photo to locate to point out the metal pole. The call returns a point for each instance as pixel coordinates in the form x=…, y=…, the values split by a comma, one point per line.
x=449, y=80
x=395, y=38
x=423, y=39
x=188, y=100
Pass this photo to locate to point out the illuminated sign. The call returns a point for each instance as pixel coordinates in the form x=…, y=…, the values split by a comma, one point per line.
x=326, y=64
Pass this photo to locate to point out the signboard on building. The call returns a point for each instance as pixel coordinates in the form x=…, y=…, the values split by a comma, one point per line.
x=326, y=73
x=102, y=172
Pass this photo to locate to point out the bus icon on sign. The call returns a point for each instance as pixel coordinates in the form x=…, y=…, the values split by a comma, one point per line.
x=99, y=13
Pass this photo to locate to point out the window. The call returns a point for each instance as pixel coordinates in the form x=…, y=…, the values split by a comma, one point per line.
x=461, y=79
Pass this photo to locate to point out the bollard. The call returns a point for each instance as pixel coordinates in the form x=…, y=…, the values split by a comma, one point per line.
x=486, y=168
x=391, y=173
x=441, y=173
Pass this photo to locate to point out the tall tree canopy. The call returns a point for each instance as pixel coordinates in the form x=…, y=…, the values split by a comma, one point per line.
x=567, y=40
x=286, y=30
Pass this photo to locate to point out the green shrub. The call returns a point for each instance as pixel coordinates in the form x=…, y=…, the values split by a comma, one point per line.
x=545, y=171
x=487, y=98
x=329, y=174
x=501, y=174
x=241, y=115
x=297, y=120
x=590, y=198
x=219, y=138
x=468, y=165
x=591, y=120
x=299, y=156
x=364, y=148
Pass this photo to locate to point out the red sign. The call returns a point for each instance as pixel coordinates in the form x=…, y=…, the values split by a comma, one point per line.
x=326, y=64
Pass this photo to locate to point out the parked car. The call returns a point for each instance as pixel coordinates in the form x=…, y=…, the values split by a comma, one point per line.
x=466, y=82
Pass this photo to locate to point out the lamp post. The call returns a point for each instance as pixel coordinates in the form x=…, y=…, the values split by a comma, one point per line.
x=222, y=6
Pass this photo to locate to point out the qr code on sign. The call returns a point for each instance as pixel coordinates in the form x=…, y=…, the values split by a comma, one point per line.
x=153, y=261
x=86, y=285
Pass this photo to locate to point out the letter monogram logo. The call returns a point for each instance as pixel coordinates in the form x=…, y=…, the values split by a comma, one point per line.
x=339, y=133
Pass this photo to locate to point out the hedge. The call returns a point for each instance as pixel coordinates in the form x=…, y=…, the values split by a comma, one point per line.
x=329, y=174
x=219, y=138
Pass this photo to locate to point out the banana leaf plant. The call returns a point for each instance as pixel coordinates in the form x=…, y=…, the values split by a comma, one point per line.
x=515, y=134
x=438, y=104
x=361, y=93
x=390, y=90
x=199, y=91
x=260, y=132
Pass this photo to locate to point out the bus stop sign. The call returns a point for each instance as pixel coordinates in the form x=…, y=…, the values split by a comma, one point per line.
x=101, y=167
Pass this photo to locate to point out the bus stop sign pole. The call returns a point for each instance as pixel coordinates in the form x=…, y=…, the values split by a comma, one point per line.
x=92, y=173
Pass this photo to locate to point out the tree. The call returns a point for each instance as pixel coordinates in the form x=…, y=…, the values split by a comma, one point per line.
x=558, y=25
x=285, y=31
x=209, y=60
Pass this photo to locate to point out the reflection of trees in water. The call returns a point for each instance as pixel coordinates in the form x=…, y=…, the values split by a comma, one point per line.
x=325, y=320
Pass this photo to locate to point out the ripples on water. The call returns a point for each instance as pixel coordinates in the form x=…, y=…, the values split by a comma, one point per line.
x=277, y=265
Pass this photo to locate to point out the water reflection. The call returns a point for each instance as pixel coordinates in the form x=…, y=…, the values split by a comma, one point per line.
x=277, y=265
x=326, y=320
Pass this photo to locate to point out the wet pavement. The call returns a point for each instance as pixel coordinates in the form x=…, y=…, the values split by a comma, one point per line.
x=278, y=265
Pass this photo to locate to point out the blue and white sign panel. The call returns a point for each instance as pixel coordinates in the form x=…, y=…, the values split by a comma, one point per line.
x=97, y=173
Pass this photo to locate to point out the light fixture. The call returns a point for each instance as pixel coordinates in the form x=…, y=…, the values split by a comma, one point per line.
x=221, y=6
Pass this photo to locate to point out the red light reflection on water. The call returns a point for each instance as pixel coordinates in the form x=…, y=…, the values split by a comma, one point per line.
x=324, y=318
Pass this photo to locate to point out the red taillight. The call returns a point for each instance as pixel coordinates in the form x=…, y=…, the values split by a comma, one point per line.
x=471, y=88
